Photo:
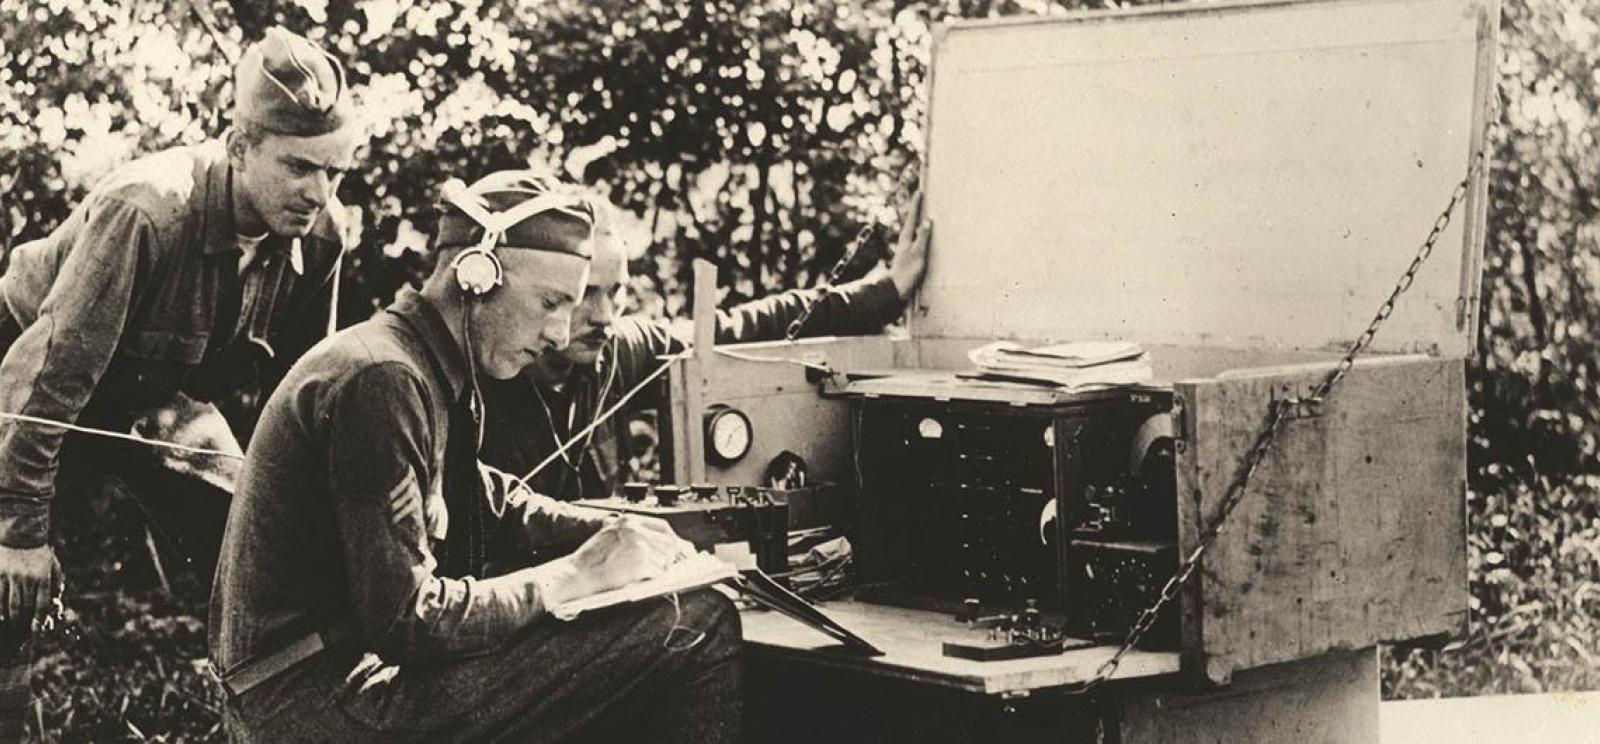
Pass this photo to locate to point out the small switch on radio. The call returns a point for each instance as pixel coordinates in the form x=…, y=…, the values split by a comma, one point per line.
x=970, y=610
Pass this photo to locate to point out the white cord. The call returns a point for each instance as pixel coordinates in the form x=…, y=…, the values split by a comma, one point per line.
x=600, y=418
x=677, y=625
x=523, y=481
x=667, y=360
x=550, y=417
x=118, y=435
x=772, y=360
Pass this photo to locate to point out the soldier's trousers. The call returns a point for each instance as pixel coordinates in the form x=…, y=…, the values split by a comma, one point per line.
x=653, y=671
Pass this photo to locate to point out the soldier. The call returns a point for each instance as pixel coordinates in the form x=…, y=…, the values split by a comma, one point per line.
x=536, y=414
x=194, y=269
x=354, y=601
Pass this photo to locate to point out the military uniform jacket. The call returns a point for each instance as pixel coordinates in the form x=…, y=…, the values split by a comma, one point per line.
x=138, y=295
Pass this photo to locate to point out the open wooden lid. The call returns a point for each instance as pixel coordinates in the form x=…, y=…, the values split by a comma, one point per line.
x=1243, y=175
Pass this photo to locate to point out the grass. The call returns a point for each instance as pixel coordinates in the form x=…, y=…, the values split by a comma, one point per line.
x=127, y=662
x=1533, y=558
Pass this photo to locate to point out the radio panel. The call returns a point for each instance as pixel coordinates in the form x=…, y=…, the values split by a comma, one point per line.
x=1066, y=504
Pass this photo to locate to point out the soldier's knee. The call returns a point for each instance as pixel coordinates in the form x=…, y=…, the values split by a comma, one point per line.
x=713, y=613
x=711, y=607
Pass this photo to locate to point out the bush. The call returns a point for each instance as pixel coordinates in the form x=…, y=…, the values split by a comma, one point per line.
x=1534, y=562
x=763, y=135
x=1535, y=420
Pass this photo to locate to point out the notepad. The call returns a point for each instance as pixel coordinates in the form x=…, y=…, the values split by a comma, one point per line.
x=1074, y=366
x=1072, y=355
x=702, y=570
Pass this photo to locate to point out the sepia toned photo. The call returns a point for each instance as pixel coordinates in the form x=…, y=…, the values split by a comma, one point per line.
x=801, y=371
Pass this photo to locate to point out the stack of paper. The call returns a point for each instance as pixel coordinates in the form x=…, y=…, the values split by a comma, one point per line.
x=1078, y=365
x=701, y=570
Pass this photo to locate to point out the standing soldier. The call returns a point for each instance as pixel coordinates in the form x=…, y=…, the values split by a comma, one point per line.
x=195, y=269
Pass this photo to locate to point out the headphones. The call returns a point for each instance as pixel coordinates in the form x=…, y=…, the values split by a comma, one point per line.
x=478, y=269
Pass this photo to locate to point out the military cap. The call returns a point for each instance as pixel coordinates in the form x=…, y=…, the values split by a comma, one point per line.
x=287, y=85
x=562, y=223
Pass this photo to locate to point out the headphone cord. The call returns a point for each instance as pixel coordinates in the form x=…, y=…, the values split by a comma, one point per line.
x=475, y=405
x=583, y=442
x=475, y=517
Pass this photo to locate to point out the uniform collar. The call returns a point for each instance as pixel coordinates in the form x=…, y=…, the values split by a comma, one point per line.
x=248, y=251
x=420, y=313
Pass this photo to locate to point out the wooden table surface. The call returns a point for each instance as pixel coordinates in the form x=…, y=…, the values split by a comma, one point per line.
x=913, y=644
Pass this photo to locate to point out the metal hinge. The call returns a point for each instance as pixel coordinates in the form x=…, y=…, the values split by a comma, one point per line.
x=1180, y=424
x=1307, y=405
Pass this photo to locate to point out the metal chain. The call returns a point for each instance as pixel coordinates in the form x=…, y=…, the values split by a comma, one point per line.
x=856, y=244
x=1267, y=436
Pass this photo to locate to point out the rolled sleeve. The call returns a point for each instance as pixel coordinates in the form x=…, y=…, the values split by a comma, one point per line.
x=51, y=370
x=379, y=453
x=855, y=308
x=860, y=307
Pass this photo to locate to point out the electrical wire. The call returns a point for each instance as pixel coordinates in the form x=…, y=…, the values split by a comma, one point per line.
x=477, y=531
x=38, y=421
x=549, y=414
x=476, y=404
x=602, y=417
x=677, y=625
x=741, y=356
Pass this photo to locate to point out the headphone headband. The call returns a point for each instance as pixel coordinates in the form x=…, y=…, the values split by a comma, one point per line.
x=495, y=224
x=478, y=270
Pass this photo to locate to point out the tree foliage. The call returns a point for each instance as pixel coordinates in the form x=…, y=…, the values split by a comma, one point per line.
x=1534, y=547
x=763, y=135
x=729, y=130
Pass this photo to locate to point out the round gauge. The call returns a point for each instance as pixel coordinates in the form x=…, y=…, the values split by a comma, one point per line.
x=728, y=435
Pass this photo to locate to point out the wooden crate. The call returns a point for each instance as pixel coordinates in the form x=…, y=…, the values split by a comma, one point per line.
x=1238, y=187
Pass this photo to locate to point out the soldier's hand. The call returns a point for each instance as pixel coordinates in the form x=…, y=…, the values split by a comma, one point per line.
x=29, y=580
x=627, y=550
x=659, y=532
x=911, y=253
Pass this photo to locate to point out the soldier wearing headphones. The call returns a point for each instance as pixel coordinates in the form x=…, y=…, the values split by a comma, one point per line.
x=359, y=598
x=544, y=410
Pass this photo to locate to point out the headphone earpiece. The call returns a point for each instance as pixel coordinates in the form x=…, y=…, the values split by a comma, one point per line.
x=478, y=271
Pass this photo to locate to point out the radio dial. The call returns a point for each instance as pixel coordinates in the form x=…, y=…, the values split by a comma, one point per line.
x=728, y=435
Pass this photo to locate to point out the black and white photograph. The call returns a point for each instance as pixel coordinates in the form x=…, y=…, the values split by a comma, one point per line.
x=800, y=371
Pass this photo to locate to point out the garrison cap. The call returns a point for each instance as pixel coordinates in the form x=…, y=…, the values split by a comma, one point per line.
x=287, y=85
x=563, y=221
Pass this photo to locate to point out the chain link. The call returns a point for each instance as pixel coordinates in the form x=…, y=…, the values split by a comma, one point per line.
x=857, y=243
x=1277, y=412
